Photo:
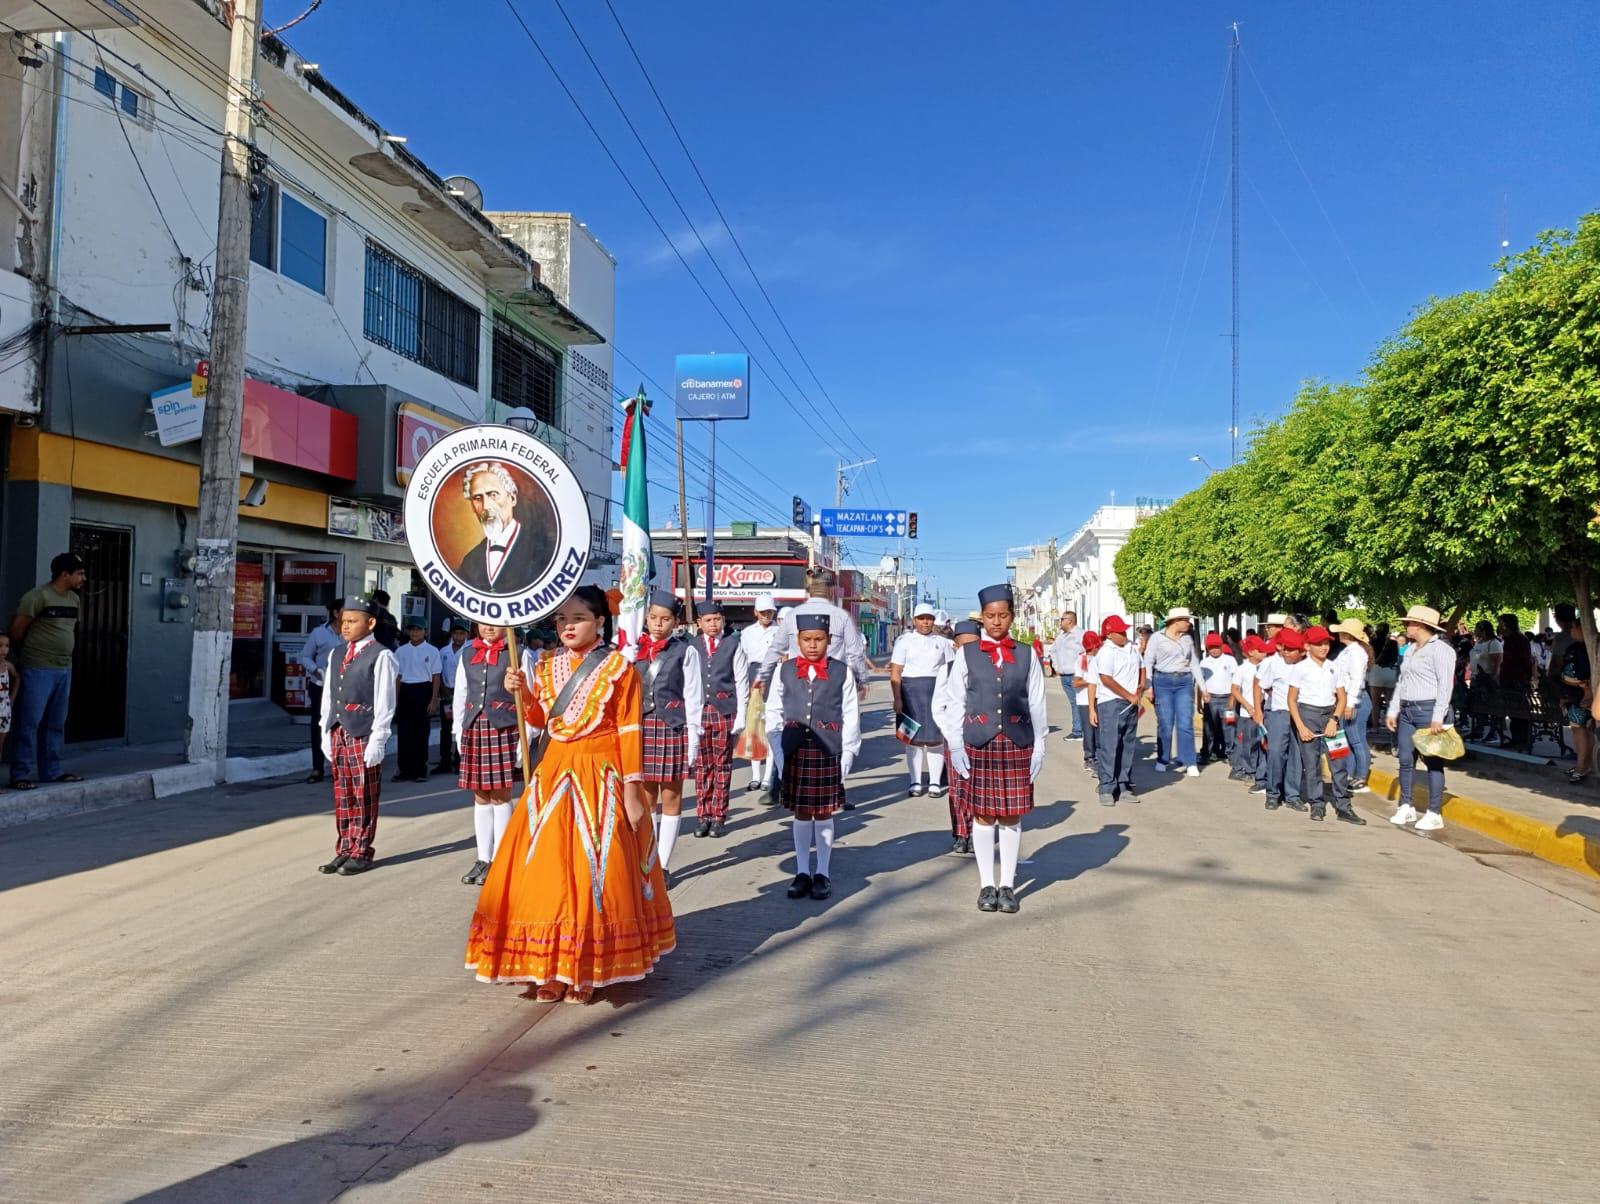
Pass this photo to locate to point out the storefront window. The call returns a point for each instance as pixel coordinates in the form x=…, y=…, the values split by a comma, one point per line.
x=247, y=674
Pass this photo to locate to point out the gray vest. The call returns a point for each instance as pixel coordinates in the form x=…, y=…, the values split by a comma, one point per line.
x=661, y=680
x=814, y=706
x=350, y=689
x=722, y=692
x=997, y=701
x=486, y=691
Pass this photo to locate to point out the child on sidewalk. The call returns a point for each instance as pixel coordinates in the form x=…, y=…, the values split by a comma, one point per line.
x=1316, y=700
x=1217, y=668
x=1083, y=684
x=1248, y=765
x=1117, y=672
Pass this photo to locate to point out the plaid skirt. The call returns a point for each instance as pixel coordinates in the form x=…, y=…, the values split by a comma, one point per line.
x=488, y=756
x=666, y=751
x=813, y=787
x=999, y=787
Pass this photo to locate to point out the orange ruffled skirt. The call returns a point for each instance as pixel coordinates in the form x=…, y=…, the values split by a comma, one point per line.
x=576, y=896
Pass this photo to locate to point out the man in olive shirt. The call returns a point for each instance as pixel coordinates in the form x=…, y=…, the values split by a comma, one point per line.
x=46, y=626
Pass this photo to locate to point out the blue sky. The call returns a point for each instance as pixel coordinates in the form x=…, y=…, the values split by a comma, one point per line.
x=995, y=230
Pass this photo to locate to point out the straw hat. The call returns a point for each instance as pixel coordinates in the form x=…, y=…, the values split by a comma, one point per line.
x=1354, y=629
x=1178, y=612
x=1425, y=615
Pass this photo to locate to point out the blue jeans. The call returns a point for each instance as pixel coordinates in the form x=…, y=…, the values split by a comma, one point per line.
x=1415, y=714
x=1079, y=722
x=1283, y=757
x=39, y=722
x=1356, y=732
x=1174, y=696
x=1115, y=740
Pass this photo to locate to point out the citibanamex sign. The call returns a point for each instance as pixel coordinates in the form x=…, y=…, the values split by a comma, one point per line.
x=498, y=524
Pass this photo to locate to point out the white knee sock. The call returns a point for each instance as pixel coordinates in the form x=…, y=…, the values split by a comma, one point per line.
x=936, y=768
x=914, y=764
x=668, y=838
x=824, y=845
x=757, y=770
x=502, y=818
x=1010, y=846
x=983, y=850
x=803, y=829
x=483, y=826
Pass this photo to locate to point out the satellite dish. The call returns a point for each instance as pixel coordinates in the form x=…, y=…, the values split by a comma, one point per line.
x=466, y=189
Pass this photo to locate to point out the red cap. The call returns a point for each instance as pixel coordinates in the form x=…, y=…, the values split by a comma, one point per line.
x=1253, y=643
x=1113, y=623
x=1291, y=640
x=1090, y=641
x=1318, y=635
x=1213, y=640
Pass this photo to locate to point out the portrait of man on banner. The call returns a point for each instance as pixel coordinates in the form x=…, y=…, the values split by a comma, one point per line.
x=501, y=536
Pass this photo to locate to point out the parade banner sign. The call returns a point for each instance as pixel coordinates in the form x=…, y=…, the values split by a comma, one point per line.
x=498, y=524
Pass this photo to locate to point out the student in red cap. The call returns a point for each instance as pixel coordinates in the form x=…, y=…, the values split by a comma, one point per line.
x=1283, y=757
x=1248, y=764
x=1119, y=682
x=1216, y=671
x=1083, y=697
x=1316, y=700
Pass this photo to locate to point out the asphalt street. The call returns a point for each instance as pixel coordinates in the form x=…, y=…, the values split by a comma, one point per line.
x=1198, y=1001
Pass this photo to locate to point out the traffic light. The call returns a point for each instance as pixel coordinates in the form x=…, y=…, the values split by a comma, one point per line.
x=911, y=525
x=798, y=513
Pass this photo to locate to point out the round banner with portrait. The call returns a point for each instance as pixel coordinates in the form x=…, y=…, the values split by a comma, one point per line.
x=498, y=524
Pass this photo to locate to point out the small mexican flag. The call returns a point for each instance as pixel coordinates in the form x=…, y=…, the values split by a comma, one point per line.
x=638, y=560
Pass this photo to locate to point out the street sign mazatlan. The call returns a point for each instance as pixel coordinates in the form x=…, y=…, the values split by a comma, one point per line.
x=867, y=523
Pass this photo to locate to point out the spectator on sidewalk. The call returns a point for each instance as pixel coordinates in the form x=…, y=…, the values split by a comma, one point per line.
x=449, y=658
x=1483, y=681
x=1355, y=662
x=314, y=659
x=1421, y=699
x=1577, y=699
x=416, y=701
x=1172, y=668
x=1517, y=669
x=1064, y=654
x=1556, y=642
x=46, y=626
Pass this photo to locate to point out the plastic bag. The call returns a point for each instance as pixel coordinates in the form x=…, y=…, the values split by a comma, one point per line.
x=1445, y=745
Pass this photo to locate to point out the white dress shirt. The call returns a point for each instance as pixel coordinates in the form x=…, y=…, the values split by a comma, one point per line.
x=449, y=657
x=1121, y=665
x=1080, y=669
x=495, y=555
x=755, y=640
x=314, y=653
x=1272, y=675
x=1065, y=650
x=1218, y=671
x=950, y=712
x=385, y=672
x=1318, y=685
x=419, y=663
x=850, y=738
x=1353, y=663
x=921, y=655
x=1244, y=680
x=844, y=640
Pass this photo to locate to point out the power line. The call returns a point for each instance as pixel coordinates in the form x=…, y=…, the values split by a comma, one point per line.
x=728, y=226
x=649, y=212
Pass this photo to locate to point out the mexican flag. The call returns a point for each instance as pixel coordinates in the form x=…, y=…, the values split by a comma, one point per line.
x=638, y=560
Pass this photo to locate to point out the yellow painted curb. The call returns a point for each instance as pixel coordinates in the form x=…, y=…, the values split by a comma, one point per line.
x=1570, y=850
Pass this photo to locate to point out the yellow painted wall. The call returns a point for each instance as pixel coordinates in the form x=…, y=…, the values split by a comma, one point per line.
x=98, y=468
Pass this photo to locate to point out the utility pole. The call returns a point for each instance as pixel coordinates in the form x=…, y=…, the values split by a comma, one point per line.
x=218, y=531
x=1233, y=75
x=1055, y=595
x=683, y=518
x=841, y=486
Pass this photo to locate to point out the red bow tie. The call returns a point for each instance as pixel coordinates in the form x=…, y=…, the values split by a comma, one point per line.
x=819, y=668
x=648, y=647
x=1000, y=652
x=487, y=652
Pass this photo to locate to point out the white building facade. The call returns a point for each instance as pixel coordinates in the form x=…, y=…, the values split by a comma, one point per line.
x=1083, y=576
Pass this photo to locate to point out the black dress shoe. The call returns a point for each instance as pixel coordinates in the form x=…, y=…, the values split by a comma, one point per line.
x=1008, y=901
x=333, y=866
x=356, y=865
x=1347, y=816
x=847, y=806
x=401, y=777
x=475, y=876
x=315, y=776
x=988, y=899
x=704, y=829
x=800, y=888
x=718, y=829
x=820, y=887
x=936, y=791
x=916, y=792
x=1319, y=813
x=1274, y=803
x=1295, y=804
x=959, y=847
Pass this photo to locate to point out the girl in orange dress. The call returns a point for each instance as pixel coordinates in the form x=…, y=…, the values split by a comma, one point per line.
x=576, y=899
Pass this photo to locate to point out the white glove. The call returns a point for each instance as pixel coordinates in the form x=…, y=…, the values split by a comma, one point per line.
x=327, y=747
x=374, y=753
x=845, y=762
x=1037, y=762
x=956, y=758
x=694, y=748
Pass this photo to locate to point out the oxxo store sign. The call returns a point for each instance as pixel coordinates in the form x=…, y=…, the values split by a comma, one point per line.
x=739, y=581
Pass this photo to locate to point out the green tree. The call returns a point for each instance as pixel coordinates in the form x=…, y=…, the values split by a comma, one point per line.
x=1484, y=414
